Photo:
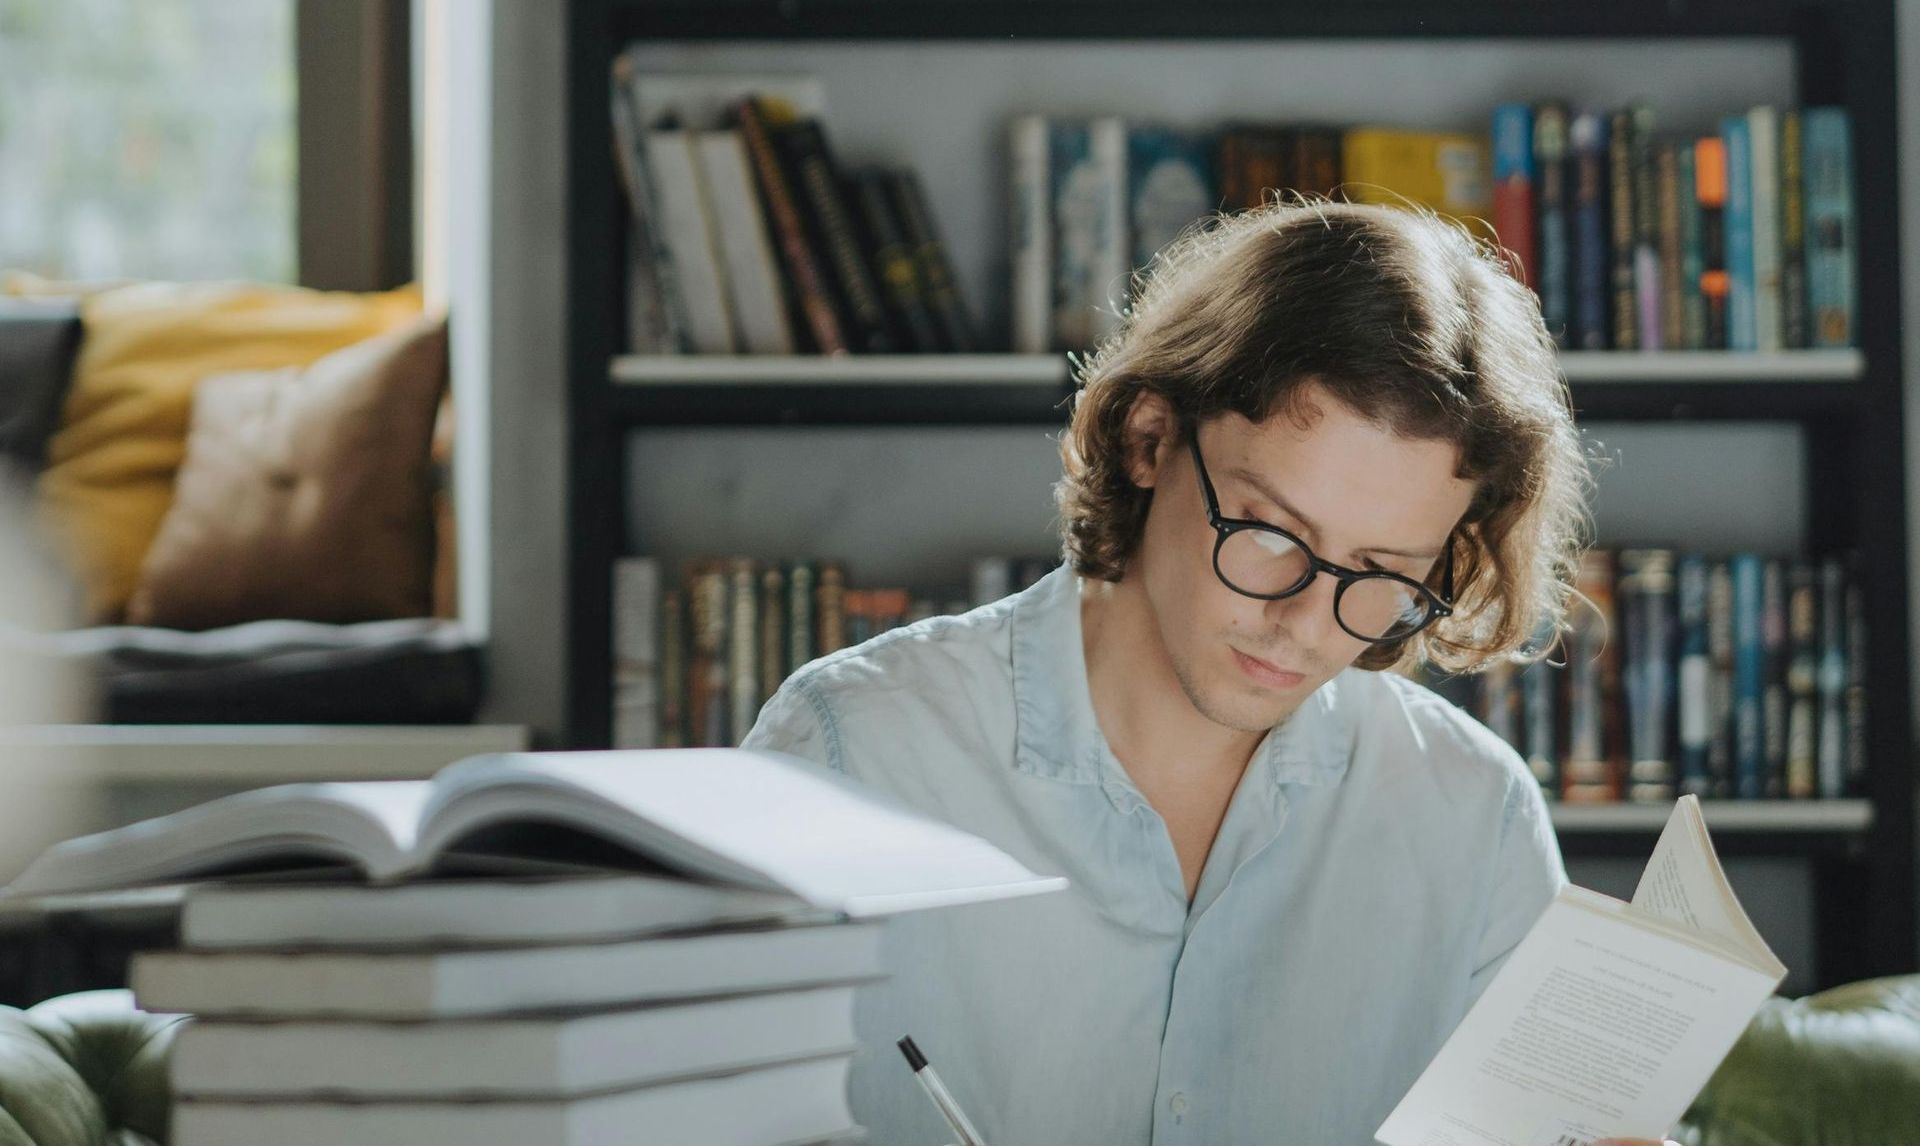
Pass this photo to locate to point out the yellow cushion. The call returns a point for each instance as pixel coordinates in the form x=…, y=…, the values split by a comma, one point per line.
x=110, y=468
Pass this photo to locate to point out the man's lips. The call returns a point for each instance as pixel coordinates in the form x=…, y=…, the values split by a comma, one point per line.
x=1266, y=672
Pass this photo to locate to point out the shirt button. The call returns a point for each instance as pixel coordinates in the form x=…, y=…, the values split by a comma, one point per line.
x=1178, y=1103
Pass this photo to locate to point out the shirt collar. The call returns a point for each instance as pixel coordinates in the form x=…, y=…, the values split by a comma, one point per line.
x=1058, y=737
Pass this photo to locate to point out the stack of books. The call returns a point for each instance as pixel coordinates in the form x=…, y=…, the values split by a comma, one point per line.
x=560, y=948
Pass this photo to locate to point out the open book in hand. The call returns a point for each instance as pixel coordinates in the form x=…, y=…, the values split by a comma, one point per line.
x=1607, y=1018
x=752, y=820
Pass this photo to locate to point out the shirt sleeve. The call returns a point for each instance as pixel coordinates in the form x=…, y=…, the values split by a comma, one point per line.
x=796, y=721
x=1528, y=874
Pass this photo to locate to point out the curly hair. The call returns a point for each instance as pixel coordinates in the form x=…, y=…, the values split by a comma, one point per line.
x=1400, y=315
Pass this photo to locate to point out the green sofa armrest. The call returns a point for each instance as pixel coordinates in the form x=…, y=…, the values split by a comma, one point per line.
x=1840, y=1068
x=87, y=1069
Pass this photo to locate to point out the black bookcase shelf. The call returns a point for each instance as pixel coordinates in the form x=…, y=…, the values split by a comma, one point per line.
x=1849, y=404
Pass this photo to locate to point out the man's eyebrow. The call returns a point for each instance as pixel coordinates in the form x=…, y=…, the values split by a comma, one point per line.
x=1261, y=487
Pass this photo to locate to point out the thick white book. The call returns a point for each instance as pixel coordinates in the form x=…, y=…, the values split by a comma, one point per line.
x=775, y=1106
x=552, y=910
x=688, y=228
x=746, y=252
x=1607, y=1018
x=763, y=821
x=502, y=981
x=532, y=1057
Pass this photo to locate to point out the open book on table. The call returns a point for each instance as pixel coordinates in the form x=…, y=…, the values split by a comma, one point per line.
x=743, y=820
x=1607, y=1018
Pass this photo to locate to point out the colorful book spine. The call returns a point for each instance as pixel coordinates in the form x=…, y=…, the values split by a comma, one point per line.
x=1513, y=185
x=1693, y=303
x=707, y=679
x=1552, y=222
x=1742, y=332
x=829, y=607
x=771, y=656
x=1710, y=191
x=1856, y=715
x=1672, y=263
x=1803, y=685
x=1078, y=203
x=802, y=644
x=1831, y=763
x=1695, y=691
x=742, y=650
x=1831, y=248
x=1170, y=187
x=1720, y=660
x=1587, y=773
x=1592, y=260
x=1763, y=143
x=893, y=261
x=1773, y=688
x=937, y=280
x=1316, y=168
x=809, y=160
x=1649, y=309
x=1620, y=211
x=805, y=272
x=673, y=668
x=1647, y=604
x=1793, y=234
x=1749, y=677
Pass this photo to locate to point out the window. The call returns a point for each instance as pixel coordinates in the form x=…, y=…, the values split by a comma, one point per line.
x=148, y=138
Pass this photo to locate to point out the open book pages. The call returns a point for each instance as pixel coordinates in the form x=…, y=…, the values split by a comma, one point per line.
x=755, y=820
x=1607, y=1018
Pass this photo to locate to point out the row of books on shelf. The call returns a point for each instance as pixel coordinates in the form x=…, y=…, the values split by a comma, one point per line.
x=696, y=654
x=748, y=236
x=1737, y=677
x=1742, y=240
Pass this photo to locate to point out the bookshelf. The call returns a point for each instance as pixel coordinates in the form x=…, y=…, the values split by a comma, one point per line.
x=1845, y=406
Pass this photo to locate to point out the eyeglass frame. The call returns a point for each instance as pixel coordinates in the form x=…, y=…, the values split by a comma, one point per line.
x=1439, y=605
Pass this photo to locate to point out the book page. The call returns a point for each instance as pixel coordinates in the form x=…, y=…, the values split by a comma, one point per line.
x=1601, y=1024
x=1684, y=884
x=748, y=818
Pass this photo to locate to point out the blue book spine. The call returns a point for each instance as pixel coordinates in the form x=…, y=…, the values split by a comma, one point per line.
x=1742, y=331
x=1749, y=677
x=1170, y=186
x=1826, y=140
x=1696, y=683
x=1076, y=208
x=1592, y=257
x=1551, y=200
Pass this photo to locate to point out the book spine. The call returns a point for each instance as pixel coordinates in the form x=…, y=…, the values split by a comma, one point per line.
x=1831, y=766
x=1749, y=677
x=1695, y=673
x=859, y=617
x=893, y=261
x=743, y=650
x=804, y=272
x=656, y=322
x=802, y=644
x=1763, y=147
x=1693, y=304
x=1539, y=697
x=1032, y=234
x=1720, y=741
x=1742, y=333
x=1586, y=774
x=1803, y=689
x=707, y=677
x=1552, y=216
x=1856, y=688
x=1793, y=235
x=805, y=142
x=1169, y=188
x=1316, y=161
x=1773, y=694
x=1649, y=308
x=1626, y=306
x=673, y=157
x=1648, y=603
x=673, y=669
x=1075, y=211
x=1229, y=162
x=1498, y=703
x=1112, y=244
x=829, y=607
x=1268, y=160
x=1513, y=184
x=1710, y=191
x=1830, y=245
x=747, y=264
x=930, y=259
x=636, y=669
x=1592, y=259
x=772, y=654
x=1673, y=301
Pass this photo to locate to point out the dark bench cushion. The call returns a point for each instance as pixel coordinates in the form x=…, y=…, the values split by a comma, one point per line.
x=38, y=341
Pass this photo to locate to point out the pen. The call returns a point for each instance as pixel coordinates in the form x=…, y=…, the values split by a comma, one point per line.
x=937, y=1091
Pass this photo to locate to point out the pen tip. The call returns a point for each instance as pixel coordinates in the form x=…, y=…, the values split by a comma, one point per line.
x=915, y=1059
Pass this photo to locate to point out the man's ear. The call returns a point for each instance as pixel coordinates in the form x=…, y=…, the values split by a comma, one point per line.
x=1151, y=436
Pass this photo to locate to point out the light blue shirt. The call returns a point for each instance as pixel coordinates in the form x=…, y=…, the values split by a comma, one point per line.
x=1381, y=856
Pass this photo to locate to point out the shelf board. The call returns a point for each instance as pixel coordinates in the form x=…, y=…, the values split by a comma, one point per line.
x=1724, y=817
x=993, y=389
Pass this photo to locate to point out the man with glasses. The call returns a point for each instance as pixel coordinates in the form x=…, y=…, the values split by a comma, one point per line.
x=1329, y=440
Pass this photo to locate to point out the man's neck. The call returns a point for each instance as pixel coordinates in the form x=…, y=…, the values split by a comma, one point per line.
x=1137, y=698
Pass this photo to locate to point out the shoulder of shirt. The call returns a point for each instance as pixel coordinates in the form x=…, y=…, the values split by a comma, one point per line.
x=955, y=648
x=1453, y=738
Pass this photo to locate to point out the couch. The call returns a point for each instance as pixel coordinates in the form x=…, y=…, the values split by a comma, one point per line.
x=1841, y=1068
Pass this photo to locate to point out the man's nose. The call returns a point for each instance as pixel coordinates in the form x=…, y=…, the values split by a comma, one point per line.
x=1308, y=614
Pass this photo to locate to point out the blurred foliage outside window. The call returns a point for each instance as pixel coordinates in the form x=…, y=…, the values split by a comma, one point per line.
x=148, y=139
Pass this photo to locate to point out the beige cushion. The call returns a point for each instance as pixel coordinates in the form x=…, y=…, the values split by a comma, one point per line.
x=305, y=492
